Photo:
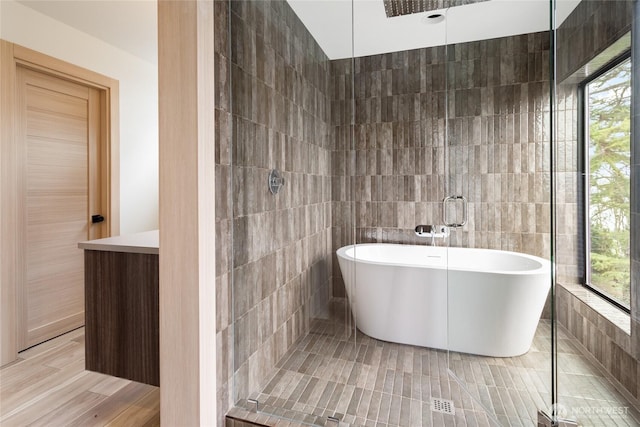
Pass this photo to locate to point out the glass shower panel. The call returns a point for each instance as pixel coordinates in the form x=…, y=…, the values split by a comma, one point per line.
x=595, y=93
x=498, y=210
x=398, y=184
x=291, y=160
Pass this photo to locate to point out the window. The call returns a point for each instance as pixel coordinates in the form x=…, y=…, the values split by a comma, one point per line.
x=607, y=100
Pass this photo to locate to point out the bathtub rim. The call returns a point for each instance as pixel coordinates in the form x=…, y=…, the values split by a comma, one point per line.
x=544, y=264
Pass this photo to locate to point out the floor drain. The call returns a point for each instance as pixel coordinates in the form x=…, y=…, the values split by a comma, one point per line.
x=334, y=419
x=443, y=405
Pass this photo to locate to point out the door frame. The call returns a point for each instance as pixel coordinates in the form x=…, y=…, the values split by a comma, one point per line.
x=12, y=56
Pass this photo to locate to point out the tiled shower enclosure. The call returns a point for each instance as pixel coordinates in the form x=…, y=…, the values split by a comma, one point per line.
x=369, y=146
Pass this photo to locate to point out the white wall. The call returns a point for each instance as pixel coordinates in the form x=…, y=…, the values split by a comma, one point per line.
x=138, y=102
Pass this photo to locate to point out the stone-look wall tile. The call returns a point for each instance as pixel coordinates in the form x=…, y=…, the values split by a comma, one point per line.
x=380, y=161
x=223, y=214
x=281, y=260
x=344, y=211
x=589, y=30
x=603, y=22
x=496, y=92
x=606, y=342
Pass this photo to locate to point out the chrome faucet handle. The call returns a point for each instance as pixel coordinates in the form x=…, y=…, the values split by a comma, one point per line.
x=433, y=231
x=441, y=231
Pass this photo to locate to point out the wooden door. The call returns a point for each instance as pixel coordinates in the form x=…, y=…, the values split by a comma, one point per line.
x=59, y=187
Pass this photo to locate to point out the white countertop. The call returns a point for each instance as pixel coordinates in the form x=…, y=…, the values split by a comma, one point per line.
x=140, y=243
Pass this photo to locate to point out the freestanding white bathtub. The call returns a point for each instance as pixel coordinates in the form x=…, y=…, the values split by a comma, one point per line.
x=476, y=301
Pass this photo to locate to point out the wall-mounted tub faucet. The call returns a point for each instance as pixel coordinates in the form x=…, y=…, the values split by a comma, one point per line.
x=433, y=231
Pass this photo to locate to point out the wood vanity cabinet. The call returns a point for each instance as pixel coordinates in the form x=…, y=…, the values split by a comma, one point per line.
x=122, y=307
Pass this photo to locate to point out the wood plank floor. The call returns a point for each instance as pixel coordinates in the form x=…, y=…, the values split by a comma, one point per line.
x=48, y=386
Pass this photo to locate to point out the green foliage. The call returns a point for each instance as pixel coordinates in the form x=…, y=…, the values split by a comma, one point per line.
x=609, y=180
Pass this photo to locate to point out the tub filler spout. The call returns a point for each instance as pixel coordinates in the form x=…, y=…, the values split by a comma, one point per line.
x=433, y=231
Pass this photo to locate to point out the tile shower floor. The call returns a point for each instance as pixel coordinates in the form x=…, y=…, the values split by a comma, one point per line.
x=367, y=382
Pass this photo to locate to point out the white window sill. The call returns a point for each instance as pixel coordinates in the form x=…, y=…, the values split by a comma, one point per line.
x=610, y=312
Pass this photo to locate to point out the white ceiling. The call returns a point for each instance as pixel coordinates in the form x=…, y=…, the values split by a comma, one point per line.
x=132, y=24
x=373, y=33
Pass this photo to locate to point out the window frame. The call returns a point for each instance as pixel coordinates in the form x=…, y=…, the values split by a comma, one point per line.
x=583, y=167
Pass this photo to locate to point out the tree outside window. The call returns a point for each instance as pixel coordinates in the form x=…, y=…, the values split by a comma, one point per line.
x=608, y=101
